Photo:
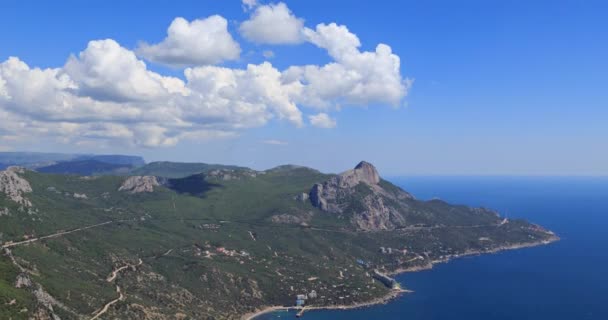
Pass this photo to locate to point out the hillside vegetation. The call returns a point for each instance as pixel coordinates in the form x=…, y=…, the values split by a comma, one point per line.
x=178, y=169
x=222, y=242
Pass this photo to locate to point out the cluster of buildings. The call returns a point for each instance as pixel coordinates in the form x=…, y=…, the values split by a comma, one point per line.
x=209, y=251
x=301, y=298
x=384, y=250
x=231, y=253
x=209, y=226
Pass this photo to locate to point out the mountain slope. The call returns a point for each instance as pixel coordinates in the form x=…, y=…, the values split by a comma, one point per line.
x=169, y=169
x=219, y=244
x=374, y=204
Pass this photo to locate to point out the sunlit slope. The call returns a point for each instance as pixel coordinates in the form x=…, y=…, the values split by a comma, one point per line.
x=217, y=244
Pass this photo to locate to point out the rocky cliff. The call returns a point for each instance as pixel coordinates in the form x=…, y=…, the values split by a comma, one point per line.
x=359, y=193
x=137, y=184
x=372, y=204
x=14, y=186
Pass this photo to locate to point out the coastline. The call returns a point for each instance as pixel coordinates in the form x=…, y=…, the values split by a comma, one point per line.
x=430, y=264
x=394, y=293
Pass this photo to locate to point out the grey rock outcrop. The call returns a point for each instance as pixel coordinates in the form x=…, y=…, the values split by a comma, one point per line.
x=302, y=197
x=358, y=192
x=230, y=174
x=301, y=219
x=138, y=184
x=14, y=186
x=23, y=281
x=363, y=172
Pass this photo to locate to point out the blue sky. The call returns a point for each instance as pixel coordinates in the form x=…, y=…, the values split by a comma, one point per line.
x=500, y=87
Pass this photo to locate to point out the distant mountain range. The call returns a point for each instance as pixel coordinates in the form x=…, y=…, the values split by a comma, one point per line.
x=86, y=168
x=34, y=160
x=95, y=165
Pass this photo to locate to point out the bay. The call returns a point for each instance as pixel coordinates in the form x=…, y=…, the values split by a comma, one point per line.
x=564, y=280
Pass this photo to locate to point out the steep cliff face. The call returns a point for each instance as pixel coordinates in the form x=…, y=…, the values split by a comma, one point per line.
x=360, y=193
x=137, y=184
x=364, y=172
x=14, y=186
x=373, y=204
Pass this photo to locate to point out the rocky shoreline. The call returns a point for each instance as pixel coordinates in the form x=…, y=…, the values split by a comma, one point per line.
x=394, y=293
x=430, y=264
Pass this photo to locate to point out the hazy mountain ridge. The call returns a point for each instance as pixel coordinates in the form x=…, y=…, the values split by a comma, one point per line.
x=170, y=169
x=86, y=168
x=35, y=160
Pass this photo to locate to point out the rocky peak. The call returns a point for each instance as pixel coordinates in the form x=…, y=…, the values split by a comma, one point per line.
x=363, y=172
x=14, y=186
x=323, y=195
x=137, y=184
x=377, y=208
x=366, y=172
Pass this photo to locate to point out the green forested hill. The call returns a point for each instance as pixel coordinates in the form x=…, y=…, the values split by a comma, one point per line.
x=218, y=244
x=178, y=169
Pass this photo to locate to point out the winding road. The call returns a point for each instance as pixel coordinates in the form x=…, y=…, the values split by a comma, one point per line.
x=107, y=306
x=111, y=277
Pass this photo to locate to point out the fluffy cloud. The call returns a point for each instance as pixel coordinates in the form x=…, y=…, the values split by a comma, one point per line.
x=355, y=78
x=107, y=71
x=106, y=94
x=33, y=91
x=322, y=120
x=3, y=92
x=252, y=95
x=273, y=24
x=200, y=42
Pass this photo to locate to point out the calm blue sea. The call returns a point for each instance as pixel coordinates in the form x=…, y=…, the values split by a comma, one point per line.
x=564, y=280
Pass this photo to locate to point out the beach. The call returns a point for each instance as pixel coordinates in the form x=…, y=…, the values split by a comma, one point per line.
x=392, y=294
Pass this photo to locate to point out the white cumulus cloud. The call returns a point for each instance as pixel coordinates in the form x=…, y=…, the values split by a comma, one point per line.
x=107, y=71
x=354, y=78
x=322, y=120
x=252, y=95
x=106, y=94
x=70, y=105
x=200, y=42
x=273, y=24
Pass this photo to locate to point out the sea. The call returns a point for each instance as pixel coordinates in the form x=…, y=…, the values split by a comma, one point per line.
x=567, y=279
